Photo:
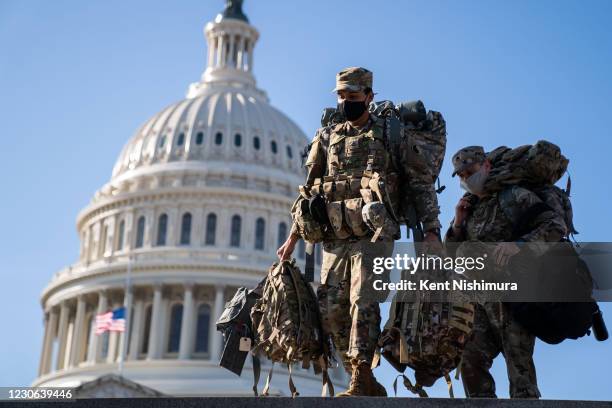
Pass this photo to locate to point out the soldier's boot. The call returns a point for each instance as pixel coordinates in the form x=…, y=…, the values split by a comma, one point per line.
x=363, y=382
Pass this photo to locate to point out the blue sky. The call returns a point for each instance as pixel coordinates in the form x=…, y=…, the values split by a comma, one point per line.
x=78, y=77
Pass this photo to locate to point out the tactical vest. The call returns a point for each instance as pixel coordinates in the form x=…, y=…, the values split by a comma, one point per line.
x=359, y=171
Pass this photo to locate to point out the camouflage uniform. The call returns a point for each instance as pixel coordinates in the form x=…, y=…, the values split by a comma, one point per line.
x=492, y=219
x=349, y=304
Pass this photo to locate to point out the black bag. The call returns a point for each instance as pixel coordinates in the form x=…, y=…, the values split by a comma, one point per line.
x=561, y=270
x=235, y=324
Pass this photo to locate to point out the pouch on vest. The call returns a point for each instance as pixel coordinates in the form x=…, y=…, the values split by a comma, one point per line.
x=309, y=229
x=354, y=219
x=334, y=212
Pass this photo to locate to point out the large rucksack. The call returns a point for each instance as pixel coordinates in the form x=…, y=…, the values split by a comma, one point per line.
x=287, y=324
x=538, y=167
x=416, y=139
x=427, y=336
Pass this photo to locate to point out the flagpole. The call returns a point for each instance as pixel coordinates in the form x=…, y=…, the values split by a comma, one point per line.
x=127, y=304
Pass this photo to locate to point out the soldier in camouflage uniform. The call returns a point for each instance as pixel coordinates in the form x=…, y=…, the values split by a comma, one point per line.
x=341, y=160
x=490, y=217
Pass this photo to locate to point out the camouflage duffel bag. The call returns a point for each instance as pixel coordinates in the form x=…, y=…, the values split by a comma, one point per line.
x=428, y=337
x=287, y=325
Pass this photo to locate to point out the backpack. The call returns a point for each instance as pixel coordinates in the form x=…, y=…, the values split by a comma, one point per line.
x=428, y=337
x=287, y=324
x=237, y=328
x=538, y=167
x=416, y=139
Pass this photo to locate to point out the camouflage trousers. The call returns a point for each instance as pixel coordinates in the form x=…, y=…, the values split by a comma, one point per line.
x=349, y=305
x=496, y=331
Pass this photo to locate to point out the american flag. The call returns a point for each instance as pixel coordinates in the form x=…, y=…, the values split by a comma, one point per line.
x=112, y=321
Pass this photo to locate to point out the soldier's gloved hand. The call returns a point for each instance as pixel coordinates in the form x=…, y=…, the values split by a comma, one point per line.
x=504, y=251
x=285, y=251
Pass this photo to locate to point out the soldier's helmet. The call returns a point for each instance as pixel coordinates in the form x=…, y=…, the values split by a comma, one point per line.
x=465, y=157
x=353, y=79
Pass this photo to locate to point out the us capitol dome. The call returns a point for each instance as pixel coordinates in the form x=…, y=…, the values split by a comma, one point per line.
x=196, y=207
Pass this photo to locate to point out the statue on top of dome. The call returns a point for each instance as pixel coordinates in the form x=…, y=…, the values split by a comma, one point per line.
x=233, y=9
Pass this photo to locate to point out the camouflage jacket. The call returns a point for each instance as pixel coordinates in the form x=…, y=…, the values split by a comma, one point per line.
x=495, y=218
x=421, y=185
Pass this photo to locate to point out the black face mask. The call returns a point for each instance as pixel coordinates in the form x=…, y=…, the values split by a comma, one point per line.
x=352, y=110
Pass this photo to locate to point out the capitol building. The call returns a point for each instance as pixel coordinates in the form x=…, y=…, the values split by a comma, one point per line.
x=197, y=204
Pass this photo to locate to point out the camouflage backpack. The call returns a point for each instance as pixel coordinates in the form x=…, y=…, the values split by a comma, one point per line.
x=416, y=139
x=428, y=337
x=287, y=325
x=537, y=168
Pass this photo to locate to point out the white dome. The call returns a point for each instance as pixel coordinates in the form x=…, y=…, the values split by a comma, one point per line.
x=223, y=123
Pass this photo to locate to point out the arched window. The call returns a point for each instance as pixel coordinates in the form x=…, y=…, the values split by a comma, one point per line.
x=181, y=139
x=140, y=227
x=289, y=152
x=235, y=231
x=174, y=335
x=301, y=249
x=218, y=138
x=260, y=233
x=162, y=228
x=144, y=348
x=238, y=139
x=103, y=240
x=211, y=229
x=199, y=138
x=256, y=143
x=273, y=147
x=162, y=141
x=203, y=324
x=186, y=229
x=282, y=233
x=120, y=233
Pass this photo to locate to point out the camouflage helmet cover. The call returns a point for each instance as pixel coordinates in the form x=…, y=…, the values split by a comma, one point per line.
x=353, y=79
x=466, y=156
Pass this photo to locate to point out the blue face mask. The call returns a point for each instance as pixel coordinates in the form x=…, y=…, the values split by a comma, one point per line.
x=475, y=183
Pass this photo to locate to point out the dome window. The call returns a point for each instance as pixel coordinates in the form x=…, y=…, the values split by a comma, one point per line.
x=289, y=152
x=186, y=229
x=256, y=143
x=235, y=231
x=140, y=231
x=203, y=323
x=218, y=138
x=176, y=321
x=162, y=228
x=199, y=138
x=147, y=330
x=273, y=147
x=260, y=233
x=162, y=141
x=237, y=139
x=282, y=233
x=120, y=235
x=211, y=229
x=181, y=139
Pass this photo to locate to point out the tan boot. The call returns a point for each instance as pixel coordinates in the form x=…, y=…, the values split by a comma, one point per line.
x=363, y=382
